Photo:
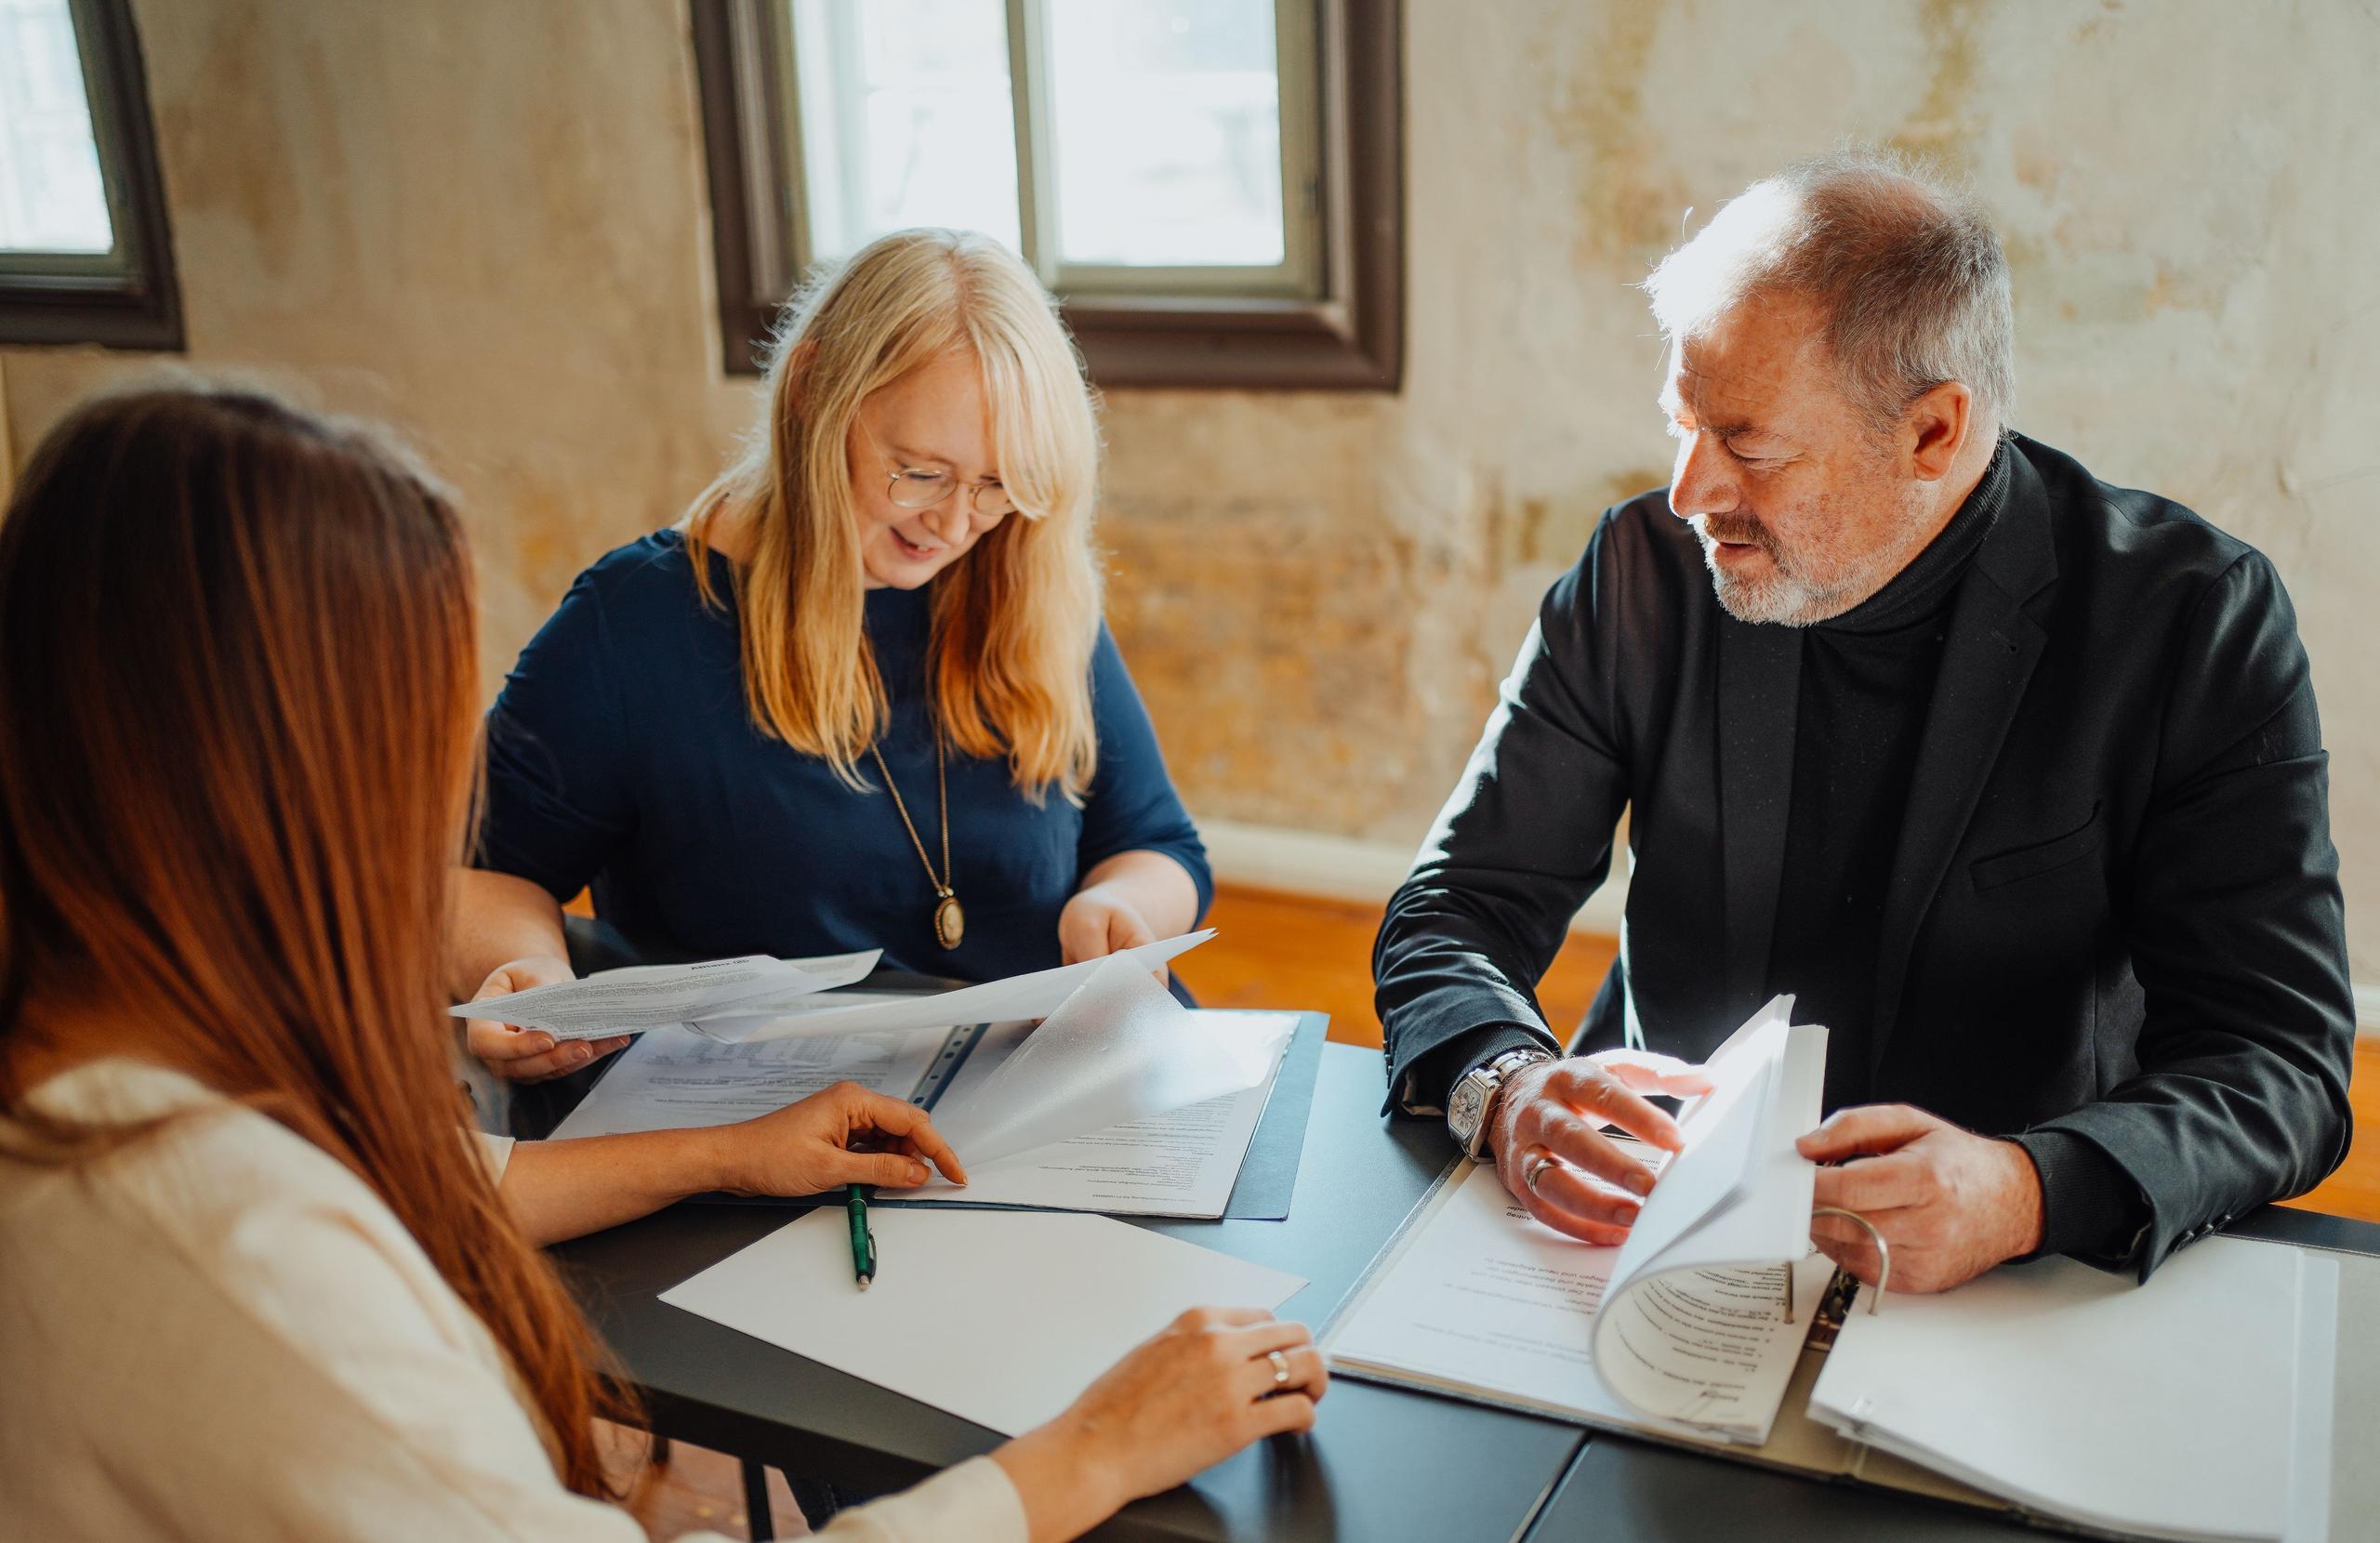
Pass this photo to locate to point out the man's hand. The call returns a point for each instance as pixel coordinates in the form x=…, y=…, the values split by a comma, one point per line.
x=530, y=1055
x=1548, y=1127
x=1951, y=1204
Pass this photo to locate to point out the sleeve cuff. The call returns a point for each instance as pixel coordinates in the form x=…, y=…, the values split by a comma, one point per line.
x=974, y=1501
x=1430, y=1079
x=495, y=1152
x=2091, y=1209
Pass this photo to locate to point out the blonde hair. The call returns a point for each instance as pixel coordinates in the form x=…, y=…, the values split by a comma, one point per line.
x=1016, y=616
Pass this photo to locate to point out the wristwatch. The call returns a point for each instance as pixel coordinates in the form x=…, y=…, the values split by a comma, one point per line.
x=1472, y=1106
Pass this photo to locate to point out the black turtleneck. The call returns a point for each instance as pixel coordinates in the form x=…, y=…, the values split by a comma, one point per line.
x=1867, y=677
x=1866, y=680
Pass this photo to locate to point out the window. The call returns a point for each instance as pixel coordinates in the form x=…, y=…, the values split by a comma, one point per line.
x=1211, y=187
x=83, y=254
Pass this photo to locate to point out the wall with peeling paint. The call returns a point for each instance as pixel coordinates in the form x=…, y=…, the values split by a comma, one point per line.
x=488, y=222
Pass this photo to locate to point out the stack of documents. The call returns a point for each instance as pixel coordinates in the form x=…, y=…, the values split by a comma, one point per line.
x=757, y=998
x=1685, y=1329
x=1121, y=1101
x=2196, y=1407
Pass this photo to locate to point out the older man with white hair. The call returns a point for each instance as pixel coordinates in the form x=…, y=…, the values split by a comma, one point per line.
x=2013, y=776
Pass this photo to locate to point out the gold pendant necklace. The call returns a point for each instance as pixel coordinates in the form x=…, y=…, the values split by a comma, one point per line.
x=949, y=918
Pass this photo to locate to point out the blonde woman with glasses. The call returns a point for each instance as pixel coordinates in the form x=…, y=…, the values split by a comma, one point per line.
x=861, y=695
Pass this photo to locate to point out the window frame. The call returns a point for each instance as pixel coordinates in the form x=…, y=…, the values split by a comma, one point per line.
x=1349, y=338
x=129, y=298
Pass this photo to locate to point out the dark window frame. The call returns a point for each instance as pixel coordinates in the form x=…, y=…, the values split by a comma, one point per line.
x=136, y=302
x=1351, y=339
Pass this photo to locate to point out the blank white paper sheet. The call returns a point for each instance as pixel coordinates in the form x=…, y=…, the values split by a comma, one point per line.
x=999, y=1317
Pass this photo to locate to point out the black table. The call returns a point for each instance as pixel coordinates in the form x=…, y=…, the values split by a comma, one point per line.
x=1384, y=1463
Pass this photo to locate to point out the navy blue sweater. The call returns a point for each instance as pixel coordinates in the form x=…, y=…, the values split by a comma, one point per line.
x=620, y=754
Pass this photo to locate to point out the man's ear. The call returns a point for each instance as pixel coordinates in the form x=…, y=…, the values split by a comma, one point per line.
x=1936, y=427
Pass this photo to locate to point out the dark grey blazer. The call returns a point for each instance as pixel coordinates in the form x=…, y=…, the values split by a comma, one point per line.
x=2114, y=909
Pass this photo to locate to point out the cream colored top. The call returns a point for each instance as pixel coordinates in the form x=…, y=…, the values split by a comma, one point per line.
x=221, y=1333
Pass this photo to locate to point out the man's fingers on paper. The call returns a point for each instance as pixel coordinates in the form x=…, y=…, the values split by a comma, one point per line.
x=1579, y=1143
x=1652, y=1071
x=1603, y=1235
x=1600, y=1096
x=1586, y=1229
x=1869, y=1128
x=1570, y=1192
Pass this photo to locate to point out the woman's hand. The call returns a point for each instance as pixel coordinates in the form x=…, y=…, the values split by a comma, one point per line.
x=530, y=1055
x=1202, y=1388
x=1098, y=922
x=809, y=1148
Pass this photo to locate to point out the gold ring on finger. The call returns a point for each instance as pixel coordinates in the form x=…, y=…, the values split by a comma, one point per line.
x=1280, y=1368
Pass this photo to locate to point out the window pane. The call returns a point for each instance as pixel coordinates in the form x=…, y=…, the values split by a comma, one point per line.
x=1168, y=129
x=51, y=198
x=905, y=119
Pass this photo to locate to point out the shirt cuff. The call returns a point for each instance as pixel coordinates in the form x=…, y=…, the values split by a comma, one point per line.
x=2091, y=1209
x=974, y=1500
x=1430, y=1080
x=495, y=1153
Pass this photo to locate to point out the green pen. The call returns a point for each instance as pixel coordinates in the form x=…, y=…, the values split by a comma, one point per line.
x=862, y=1241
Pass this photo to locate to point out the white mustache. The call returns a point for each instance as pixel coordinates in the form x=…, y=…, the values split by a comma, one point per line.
x=1753, y=534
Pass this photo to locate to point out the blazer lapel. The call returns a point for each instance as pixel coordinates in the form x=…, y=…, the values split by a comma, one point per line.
x=1987, y=659
x=1760, y=679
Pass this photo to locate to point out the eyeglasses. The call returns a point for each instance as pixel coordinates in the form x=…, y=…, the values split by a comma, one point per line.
x=914, y=489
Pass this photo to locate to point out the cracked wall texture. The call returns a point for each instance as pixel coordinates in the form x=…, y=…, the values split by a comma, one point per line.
x=489, y=223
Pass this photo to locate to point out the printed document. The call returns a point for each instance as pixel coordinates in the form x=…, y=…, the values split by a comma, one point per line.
x=675, y=1080
x=1685, y=1329
x=1180, y=1163
x=651, y=997
x=1122, y=1100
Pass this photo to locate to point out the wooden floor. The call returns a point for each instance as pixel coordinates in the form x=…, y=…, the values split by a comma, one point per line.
x=1284, y=951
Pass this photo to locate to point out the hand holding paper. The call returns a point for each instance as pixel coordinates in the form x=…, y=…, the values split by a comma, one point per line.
x=1035, y=996
x=1951, y=1204
x=652, y=997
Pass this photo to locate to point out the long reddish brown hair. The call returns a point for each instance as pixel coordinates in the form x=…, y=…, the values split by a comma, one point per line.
x=236, y=765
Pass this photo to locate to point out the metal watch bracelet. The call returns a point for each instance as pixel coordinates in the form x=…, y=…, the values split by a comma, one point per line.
x=1471, y=1109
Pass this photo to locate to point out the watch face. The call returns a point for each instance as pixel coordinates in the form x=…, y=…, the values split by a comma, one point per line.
x=1462, y=1109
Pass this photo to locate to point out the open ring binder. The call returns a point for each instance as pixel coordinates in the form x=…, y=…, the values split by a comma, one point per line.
x=1883, y=1259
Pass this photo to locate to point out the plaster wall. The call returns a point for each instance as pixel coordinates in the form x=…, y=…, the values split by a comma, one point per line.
x=488, y=223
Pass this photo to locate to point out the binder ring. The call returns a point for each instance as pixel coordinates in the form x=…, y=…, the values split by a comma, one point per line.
x=1884, y=1253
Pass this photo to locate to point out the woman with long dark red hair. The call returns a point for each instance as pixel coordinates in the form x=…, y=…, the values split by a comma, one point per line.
x=254, y=1281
